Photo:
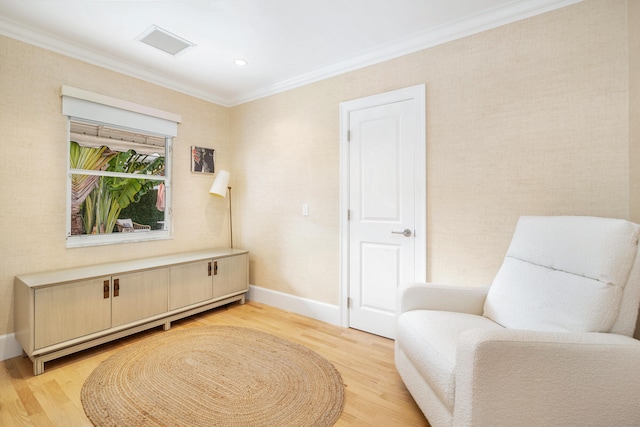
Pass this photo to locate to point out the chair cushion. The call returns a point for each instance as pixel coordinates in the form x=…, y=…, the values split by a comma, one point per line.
x=429, y=339
x=563, y=274
x=125, y=222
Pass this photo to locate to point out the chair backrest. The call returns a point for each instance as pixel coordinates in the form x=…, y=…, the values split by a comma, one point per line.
x=562, y=273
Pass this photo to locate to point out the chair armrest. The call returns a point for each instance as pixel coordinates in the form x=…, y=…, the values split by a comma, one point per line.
x=515, y=377
x=431, y=296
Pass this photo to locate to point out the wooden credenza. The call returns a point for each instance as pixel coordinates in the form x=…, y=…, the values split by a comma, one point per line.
x=64, y=311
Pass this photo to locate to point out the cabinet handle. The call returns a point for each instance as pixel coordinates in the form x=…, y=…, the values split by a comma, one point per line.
x=105, y=289
x=116, y=287
x=215, y=268
x=209, y=268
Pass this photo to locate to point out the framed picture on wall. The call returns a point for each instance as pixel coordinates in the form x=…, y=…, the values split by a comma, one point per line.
x=202, y=160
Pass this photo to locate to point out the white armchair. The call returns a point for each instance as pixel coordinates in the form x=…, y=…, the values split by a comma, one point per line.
x=549, y=343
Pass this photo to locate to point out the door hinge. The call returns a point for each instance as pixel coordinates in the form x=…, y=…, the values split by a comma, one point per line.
x=349, y=302
x=348, y=136
x=348, y=214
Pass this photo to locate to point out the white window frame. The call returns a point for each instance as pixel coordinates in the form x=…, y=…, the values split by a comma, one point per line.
x=86, y=106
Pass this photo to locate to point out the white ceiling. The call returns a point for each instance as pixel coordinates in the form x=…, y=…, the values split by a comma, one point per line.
x=287, y=43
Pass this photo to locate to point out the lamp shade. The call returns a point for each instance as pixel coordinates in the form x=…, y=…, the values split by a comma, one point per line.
x=220, y=184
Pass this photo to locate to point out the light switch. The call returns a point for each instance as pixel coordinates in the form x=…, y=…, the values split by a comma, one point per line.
x=305, y=210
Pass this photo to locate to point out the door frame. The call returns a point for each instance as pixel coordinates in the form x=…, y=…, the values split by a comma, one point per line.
x=417, y=93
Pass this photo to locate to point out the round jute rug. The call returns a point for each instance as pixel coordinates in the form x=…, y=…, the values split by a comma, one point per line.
x=214, y=376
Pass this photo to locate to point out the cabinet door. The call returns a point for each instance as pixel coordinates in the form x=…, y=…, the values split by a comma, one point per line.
x=190, y=283
x=231, y=275
x=71, y=310
x=139, y=295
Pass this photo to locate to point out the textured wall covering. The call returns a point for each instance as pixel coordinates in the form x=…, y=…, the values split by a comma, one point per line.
x=530, y=118
x=33, y=163
x=634, y=110
x=536, y=117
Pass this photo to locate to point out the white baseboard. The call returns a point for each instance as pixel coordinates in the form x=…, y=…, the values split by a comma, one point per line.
x=9, y=347
x=306, y=307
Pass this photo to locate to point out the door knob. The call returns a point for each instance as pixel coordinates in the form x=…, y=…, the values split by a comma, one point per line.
x=406, y=232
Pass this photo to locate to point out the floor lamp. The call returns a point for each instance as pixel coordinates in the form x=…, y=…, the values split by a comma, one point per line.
x=219, y=189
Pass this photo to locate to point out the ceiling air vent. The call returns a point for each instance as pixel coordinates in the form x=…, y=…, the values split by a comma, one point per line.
x=164, y=40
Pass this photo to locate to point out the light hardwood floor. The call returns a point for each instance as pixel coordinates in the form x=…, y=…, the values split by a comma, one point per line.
x=375, y=395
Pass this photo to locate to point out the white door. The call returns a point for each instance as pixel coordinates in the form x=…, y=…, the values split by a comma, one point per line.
x=386, y=225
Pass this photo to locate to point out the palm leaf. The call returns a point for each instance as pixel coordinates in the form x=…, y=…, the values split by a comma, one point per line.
x=112, y=194
x=87, y=158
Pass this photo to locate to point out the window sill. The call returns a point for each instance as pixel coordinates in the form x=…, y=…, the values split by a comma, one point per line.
x=116, y=238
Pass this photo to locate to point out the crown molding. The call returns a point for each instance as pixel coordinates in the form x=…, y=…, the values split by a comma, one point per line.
x=512, y=12
x=46, y=41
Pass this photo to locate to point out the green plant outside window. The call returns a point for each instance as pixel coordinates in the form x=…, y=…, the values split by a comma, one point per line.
x=113, y=182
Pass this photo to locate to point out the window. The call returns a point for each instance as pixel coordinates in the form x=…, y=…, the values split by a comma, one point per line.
x=119, y=180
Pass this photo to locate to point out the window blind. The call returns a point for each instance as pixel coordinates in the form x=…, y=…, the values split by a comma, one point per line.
x=94, y=107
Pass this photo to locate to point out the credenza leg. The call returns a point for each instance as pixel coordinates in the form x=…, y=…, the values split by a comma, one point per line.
x=38, y=366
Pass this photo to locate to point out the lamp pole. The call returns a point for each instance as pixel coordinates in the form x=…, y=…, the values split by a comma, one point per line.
x=219, y=189
x=230, y=220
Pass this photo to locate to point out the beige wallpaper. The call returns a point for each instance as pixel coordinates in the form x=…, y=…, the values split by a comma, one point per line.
x=33, y=158
x=531, y=118
x=634, y=110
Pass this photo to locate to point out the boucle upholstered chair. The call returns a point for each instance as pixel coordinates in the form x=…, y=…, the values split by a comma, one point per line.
x=549, y=343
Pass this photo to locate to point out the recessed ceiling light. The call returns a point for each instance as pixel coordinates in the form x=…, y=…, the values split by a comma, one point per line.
x=164, y=40
x=240, y=62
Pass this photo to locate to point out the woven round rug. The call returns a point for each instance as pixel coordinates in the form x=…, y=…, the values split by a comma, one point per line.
x=214, y=376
